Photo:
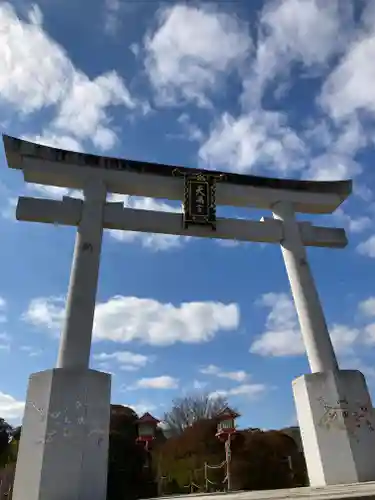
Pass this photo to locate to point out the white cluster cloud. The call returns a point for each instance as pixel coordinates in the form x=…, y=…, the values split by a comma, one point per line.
x=260, y=138
x=30, y=83
x=250, y=391
x=367, y=247
x=83, y=109
x=308, y=32
x=348, y=94
x=8, y=202
x=112, y=11
x=142, y=407
x=3, y=308
x=282, y=336
x=30, y=350
x=238, y=376
x=4, y=341
x=53, y=139
x=367, y=309
x=349, y=88
x=10, y=408
x=126, y=360
x=46, y=312
x=198, y=384
x=344, y=338
x=125, y=319
x=27, y=81
x=160, y=382
x=162, y=324
x=192, y=50
x=4, y=337
x=244, y=388
x=338, y=145
x=54, y=192
x=188, y=54
x=333, y=167
x=354, y=225
x=370, y=334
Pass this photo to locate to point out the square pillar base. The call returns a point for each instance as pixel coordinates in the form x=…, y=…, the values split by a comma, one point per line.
x=337, y=427
x=63, y=451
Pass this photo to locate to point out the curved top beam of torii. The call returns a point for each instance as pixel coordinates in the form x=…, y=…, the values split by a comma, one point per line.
x=56, y=167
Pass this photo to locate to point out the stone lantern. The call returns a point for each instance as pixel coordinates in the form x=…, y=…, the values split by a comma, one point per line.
x=226, y=426
x=226, y=431
x=146, y=429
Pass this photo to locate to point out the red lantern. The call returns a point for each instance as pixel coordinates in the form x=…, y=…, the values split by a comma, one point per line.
x=226, y=426
x=146, y=429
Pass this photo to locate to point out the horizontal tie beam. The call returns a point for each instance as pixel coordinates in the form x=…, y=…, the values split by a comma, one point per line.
x=68, y=212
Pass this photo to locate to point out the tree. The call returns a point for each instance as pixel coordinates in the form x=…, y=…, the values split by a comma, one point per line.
x=190, y=409
x=262, y=459
x=182, y=457
x=16, y=433
x=9, y=438
x=128, y=476
x=5, y=441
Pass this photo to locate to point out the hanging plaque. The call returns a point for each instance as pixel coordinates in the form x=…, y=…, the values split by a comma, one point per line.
x=199, y=199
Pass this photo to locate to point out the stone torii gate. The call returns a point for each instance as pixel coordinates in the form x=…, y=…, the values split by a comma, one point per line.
x=64, y=443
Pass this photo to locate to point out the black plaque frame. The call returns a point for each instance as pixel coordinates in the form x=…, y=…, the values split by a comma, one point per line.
x=199, y=198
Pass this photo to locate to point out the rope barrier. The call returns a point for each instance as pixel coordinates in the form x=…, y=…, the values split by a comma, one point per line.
x=216, y=466
x=207, y=481
x=192, y=484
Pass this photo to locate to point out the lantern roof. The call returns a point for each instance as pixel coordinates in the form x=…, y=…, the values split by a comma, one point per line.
x=147, y=418
x=227, y=413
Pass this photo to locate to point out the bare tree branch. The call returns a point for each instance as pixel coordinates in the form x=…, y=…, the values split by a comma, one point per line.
x=192, y=408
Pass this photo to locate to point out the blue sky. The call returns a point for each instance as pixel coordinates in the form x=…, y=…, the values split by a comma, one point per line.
x=283, y=89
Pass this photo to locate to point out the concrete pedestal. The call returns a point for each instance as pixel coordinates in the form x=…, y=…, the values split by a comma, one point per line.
x=337, y=426
x=63, y=451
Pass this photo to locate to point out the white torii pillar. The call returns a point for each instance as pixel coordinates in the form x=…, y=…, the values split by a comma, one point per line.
x=75, y=349
x=334, y=407
x=63, y=450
